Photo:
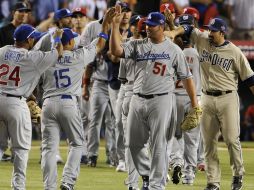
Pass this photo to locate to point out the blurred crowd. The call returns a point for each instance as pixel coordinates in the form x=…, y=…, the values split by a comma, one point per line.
x=242, y=25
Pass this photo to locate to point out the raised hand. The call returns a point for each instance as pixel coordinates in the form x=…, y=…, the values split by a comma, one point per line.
x=108, y=17
x=119, y=15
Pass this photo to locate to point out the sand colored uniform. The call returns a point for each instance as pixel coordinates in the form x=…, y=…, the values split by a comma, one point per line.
x=220, y=68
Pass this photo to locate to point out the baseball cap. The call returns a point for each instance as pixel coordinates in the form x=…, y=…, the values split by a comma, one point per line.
x=155, y=19
x=134, y=19
x=24, y=32
x=62, y=13
x=79, y=10
x=21, y=6
x=191, y=11
x=168, y=6
x=67, y=35
x=186, y=19
x=125, y=6
x=217, y=24
x=142, y=25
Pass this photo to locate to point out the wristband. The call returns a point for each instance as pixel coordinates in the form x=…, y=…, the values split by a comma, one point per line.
x=103, y=35
x=57, y=40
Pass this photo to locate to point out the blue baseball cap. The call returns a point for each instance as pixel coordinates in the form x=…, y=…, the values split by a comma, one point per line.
x=186, y=19
x=62, y=13
x=124, y=6
x=24, y=32
x=134, y=19
x=67, y=35
x=155, y=19
x=217, y=24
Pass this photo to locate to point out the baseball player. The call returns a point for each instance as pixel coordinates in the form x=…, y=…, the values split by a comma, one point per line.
x=186, y=143
x=62, y=19
x=60, y=110
x=20, y=73
x=126, y=75
x=221, y=65
x=200, y=161
x=100, y=110
x=156, y=58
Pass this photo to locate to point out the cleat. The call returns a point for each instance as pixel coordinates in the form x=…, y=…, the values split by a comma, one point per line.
x=66, y=186
x=237, y=183
x=145, y=185
x=92, y=161
x=84, y=160
x=211, y=187
x=176, y=177
x=6, y=158
x=121, y=167
x=59, y=160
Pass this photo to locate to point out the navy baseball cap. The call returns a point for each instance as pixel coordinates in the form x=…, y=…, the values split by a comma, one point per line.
x=217, y=24
x=134, y=19
x=21, y=6
x=186, y=19
x=24, y=32
x=155, y=19
x=62, y=13
x=67, y=35
x=125, y=6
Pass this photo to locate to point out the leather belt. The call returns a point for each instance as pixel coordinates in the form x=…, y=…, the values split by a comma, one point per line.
x=216, y=92
x=150, y=96
x=11, y=95
x=105, y=81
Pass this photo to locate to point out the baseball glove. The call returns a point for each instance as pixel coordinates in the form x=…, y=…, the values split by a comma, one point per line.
x=192, y=119
x=35, y=111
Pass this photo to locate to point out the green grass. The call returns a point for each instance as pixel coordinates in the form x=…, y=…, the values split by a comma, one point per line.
x=105, y=178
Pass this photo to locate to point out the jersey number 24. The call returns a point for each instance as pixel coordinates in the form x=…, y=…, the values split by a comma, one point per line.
x=62, y=78
x=9, y=74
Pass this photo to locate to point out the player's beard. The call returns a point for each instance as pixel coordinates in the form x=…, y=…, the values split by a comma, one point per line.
x=211, y=39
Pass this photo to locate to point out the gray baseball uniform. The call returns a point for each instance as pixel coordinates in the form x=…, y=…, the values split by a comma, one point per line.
x=126, y=73
x=186, y=144
x=20, y=72
x=150, y=110
x=60, y=110
x=99, y=102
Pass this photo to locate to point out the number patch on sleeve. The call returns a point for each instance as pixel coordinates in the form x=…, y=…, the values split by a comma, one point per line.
x=7, y=74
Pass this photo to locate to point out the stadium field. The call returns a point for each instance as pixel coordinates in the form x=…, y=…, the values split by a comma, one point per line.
x=105, y=178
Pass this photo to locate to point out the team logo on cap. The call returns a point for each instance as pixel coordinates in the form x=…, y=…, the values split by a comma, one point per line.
x=212, y=22
x=185, y=17
x=149, y=16
x=161, y=21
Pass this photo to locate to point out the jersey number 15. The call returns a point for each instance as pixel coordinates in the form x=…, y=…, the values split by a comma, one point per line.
x=62, y=79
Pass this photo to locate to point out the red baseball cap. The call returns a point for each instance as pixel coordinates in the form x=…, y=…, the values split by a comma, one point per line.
x=169, y=6
x=191, y=11
x=79, y=10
